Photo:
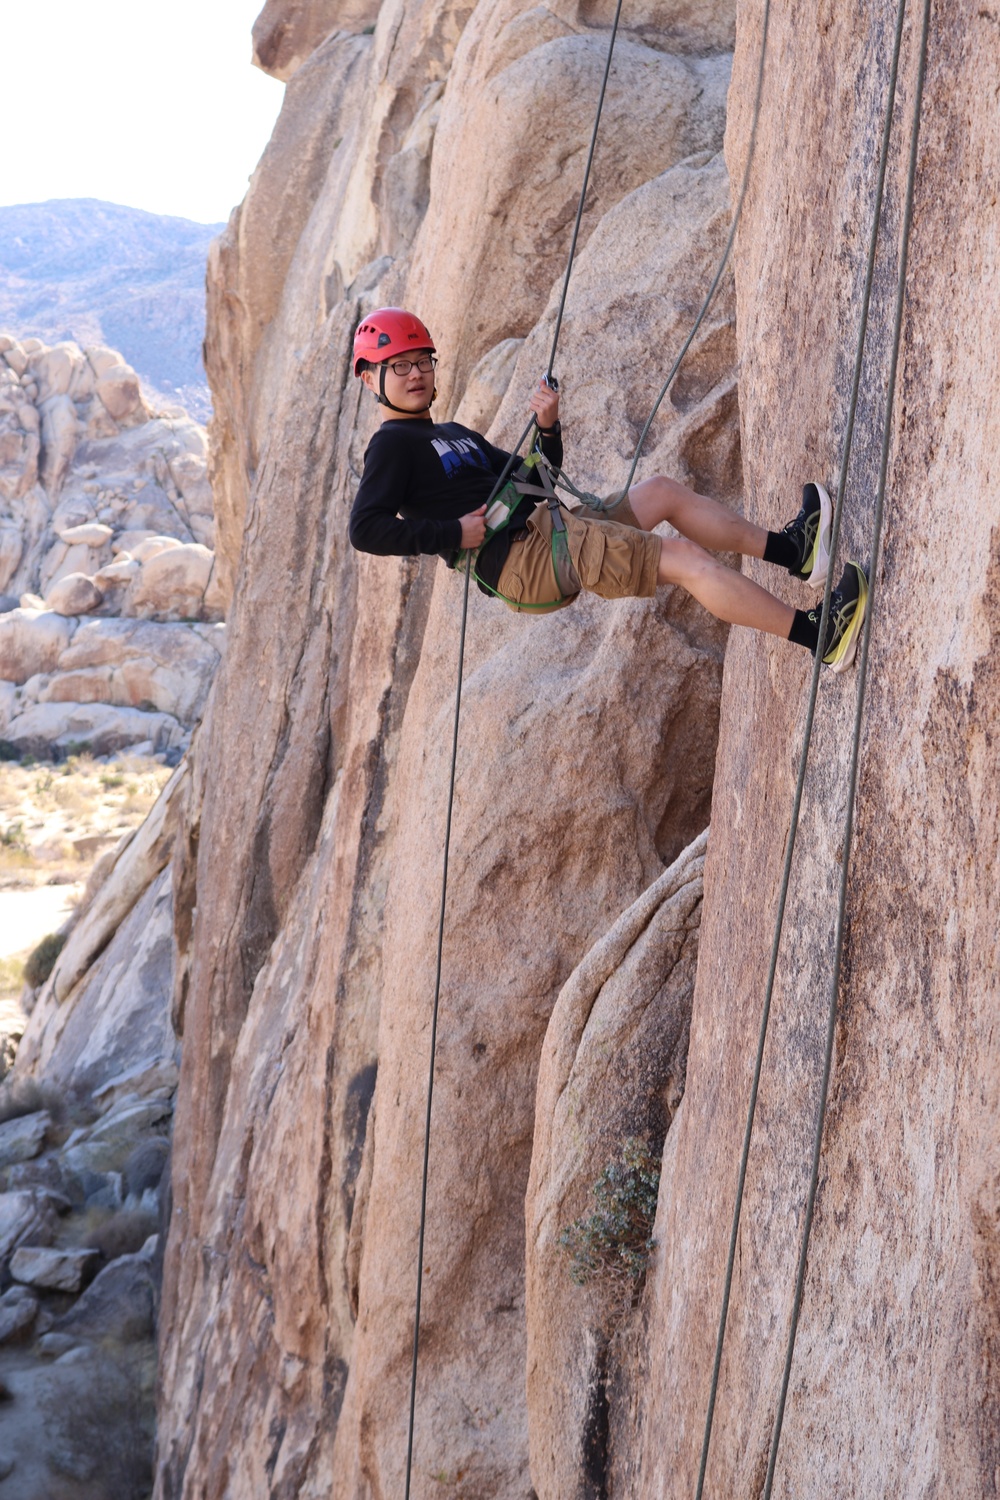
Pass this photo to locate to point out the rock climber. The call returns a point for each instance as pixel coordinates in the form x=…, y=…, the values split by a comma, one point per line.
x=425, y=486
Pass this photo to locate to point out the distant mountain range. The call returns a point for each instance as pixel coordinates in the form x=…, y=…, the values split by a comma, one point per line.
x=76, y=268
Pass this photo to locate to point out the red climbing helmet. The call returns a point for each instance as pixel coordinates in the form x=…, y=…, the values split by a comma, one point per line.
x=387, y=332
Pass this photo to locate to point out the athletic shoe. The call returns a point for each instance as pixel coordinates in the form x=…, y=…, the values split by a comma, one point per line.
x=848, y=607
x=809, y=534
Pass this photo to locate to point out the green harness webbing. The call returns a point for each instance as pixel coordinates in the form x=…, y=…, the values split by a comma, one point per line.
x=498, y=518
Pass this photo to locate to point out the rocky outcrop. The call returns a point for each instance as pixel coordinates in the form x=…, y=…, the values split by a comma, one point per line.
x=287, y=32
x=612, y=1069
x=306, y=950
x=106, y=517
x=83, y=1185
x=893, y=1386
x=427, y=164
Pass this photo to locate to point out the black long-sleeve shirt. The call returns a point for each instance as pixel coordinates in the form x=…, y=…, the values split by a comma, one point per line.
x=420, y=478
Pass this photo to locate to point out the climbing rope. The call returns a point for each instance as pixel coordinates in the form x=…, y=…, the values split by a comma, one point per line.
x=800, y=780
x=804, y=753
x=583, y=191
x=504, y=476
x=611, y=505
x=852, y=784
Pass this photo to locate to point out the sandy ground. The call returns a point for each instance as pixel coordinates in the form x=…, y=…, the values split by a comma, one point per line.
x=26, y=916
x=56, y=822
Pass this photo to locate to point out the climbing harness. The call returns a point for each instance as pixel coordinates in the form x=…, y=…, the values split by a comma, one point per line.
x=499, y=515
x=807, y=737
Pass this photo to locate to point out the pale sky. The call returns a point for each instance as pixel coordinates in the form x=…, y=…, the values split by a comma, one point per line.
x=150, y=103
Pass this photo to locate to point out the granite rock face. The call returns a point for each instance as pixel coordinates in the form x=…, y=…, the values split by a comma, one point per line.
x=94, y=486
x=305, y=901
x=893, y=1387
x=426, y=164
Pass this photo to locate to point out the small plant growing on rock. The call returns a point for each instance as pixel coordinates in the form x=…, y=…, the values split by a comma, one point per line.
x=25, y=1096
x=41, y=961
x=124, y=1233
x=615, y=1241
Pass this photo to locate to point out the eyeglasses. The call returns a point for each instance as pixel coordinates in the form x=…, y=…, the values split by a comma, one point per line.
x=424, y=364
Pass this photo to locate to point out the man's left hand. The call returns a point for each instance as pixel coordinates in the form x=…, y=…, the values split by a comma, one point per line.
x=545, y=404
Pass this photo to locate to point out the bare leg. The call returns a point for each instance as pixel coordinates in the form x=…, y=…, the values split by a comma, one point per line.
x=723, y=592
x=695, y=516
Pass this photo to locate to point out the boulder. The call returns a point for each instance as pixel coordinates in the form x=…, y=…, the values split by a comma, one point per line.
x=60, y=430
x=119, y=392
x=172, y=584
x=24, y=1137
x=118, y=1304
x=16, y=358
x=132, y=662
x=25, y=1214
x=90, y=534
x=53, y=369
x=61, y=560
x=124, y=1124
x=116, y=575
x=18, y=1310
x=152, y=546
x=147, y=1080
x=53, y=1175
x=102, y=359
x=74, y=594
x=53, y=1270
x=31, y=642
x=104, y=729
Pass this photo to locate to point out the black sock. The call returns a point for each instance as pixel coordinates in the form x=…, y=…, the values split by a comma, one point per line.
x=805, y=630
x=780, y=549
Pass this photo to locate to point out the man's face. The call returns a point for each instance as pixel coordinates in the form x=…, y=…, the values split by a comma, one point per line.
x=412, y=389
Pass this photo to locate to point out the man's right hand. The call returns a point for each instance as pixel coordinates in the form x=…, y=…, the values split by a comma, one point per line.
x=474, y=527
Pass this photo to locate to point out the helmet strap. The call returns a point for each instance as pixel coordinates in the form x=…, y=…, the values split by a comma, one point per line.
x=383, y=399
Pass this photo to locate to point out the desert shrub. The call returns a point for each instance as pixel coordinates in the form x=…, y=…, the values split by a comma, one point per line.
x=124, y=1233
x=41, y=960
x=102, y=1429
x=8, y=1052
x=9, y=751
x=615, y=1241
x=25, y=1096
x=12, y=837
x=144, y=1166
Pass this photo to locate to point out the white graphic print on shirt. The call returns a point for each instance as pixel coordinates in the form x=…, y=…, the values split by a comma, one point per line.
x=456, y=452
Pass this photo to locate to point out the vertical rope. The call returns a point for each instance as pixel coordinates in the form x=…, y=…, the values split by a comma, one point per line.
x=716, y=279
x=806, y=743
x=583, y=191
x=508, y=468
x=855, y=748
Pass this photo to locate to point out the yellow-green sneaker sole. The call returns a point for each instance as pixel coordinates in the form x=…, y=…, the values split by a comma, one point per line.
x=848, y=631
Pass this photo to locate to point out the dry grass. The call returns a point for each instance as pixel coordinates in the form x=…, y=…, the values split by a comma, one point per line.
x=11, y=978
x=56, y=820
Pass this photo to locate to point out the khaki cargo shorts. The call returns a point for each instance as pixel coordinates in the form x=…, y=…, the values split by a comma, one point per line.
x=614, y=558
